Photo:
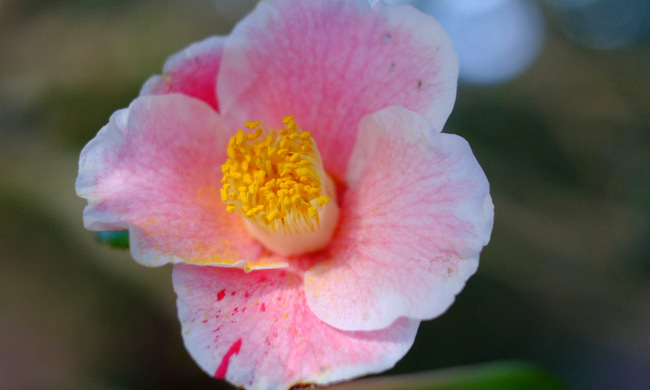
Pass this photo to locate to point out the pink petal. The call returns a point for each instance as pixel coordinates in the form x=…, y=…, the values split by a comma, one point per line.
x=413, y=221
x=192, y=71
x=155, y=170
x=331, y=62
x=255, y=330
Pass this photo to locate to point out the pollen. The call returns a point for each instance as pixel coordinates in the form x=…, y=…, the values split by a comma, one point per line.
x=275, y=178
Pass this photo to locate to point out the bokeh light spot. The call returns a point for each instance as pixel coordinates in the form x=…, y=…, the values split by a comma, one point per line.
x=496, y=40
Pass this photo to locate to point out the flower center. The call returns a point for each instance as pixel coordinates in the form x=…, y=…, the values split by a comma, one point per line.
x=276, y=181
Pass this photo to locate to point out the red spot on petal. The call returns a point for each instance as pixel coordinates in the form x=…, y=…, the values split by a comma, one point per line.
x=247, y=294
x=223, y=367
x=233, y=293
x=263, y=308
x=221, y=294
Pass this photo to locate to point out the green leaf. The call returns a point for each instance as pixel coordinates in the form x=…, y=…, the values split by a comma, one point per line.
x=490, y=376
x=114, y=238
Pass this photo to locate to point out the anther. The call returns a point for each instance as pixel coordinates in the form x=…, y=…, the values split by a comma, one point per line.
x=276, y=181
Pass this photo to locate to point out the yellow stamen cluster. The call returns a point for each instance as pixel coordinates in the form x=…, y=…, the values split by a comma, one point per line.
x=273, y=177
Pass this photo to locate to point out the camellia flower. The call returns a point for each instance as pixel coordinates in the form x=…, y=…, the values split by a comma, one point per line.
x=294, y=174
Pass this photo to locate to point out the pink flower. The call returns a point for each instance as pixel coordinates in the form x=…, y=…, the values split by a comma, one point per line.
x=390, y=218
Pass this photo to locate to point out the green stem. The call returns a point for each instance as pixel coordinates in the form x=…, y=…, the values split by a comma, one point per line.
x=506, y=375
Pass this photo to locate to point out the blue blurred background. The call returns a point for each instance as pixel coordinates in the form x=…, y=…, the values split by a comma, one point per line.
x=554, y=99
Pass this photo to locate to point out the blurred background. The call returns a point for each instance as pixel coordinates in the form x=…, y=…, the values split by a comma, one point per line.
x=554, y=99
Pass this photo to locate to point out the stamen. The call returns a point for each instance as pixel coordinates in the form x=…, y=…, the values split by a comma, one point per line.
x=276, y=181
